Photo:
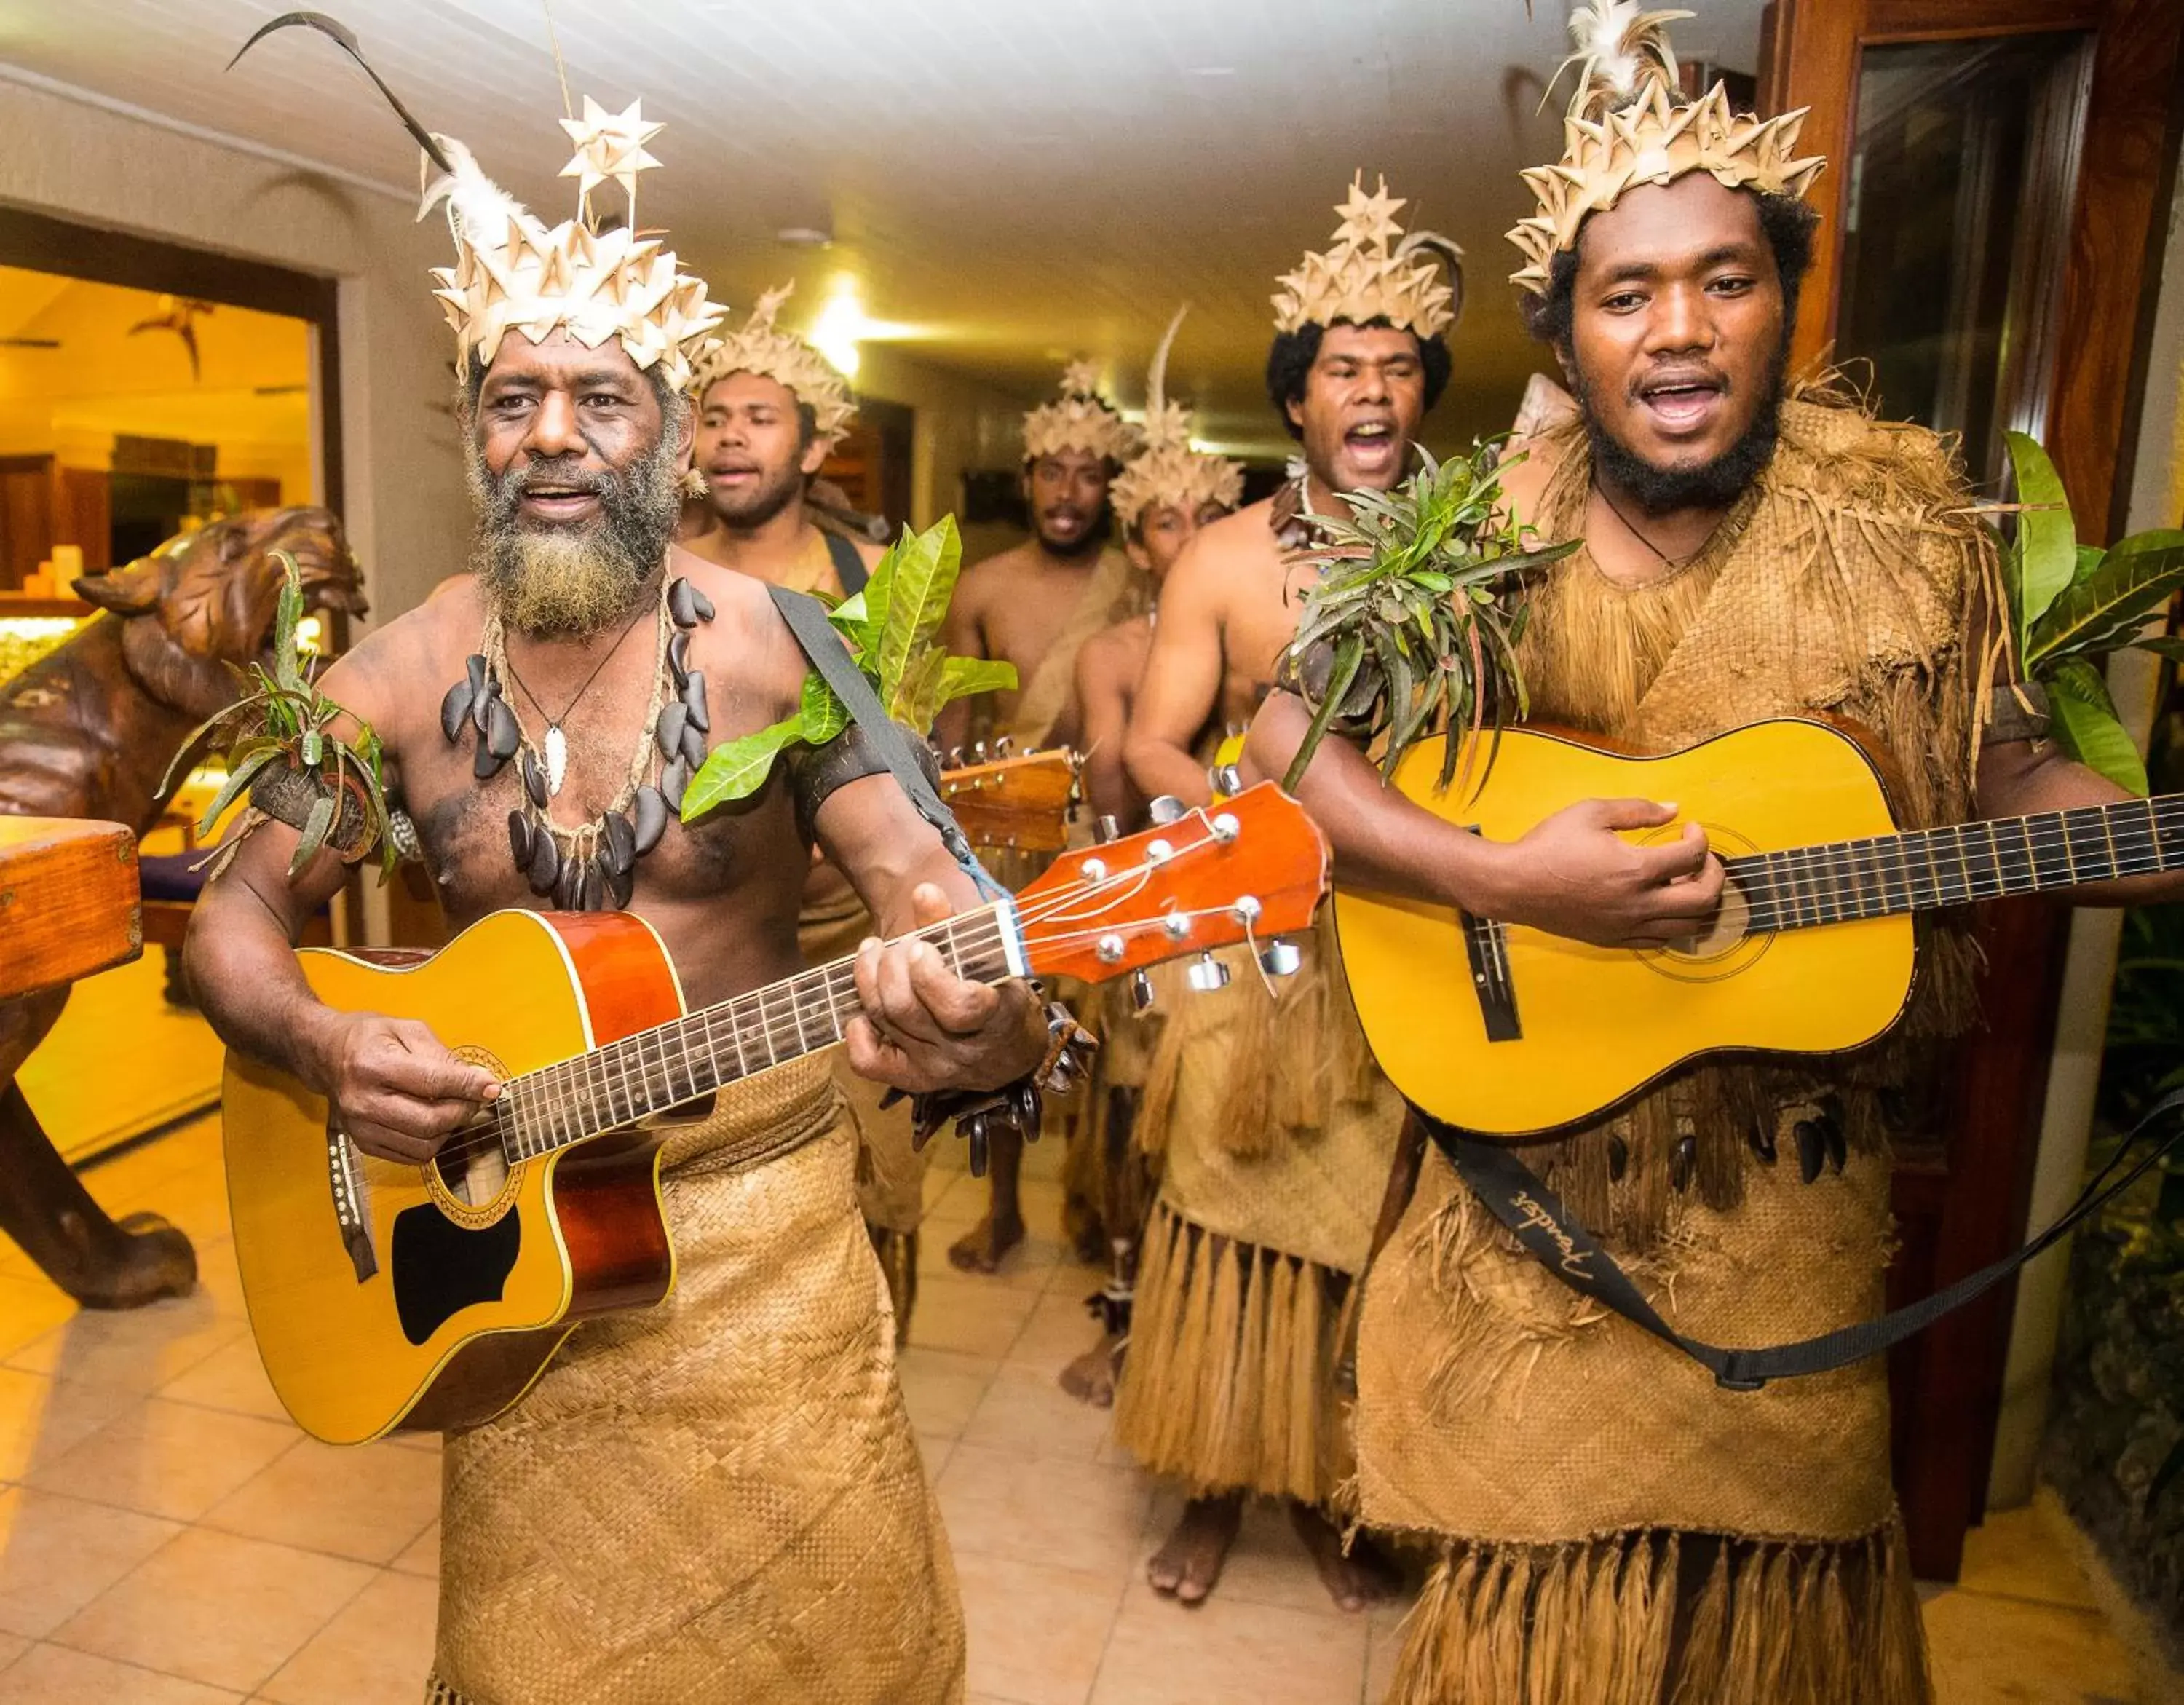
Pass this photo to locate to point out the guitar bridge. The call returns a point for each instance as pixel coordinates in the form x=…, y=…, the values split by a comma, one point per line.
x=345, y=1174
x=1486, y=946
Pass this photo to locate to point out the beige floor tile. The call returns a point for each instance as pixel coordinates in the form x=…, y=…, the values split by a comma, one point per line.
x=1035, y=1633
x=58, y=1554
x=1058, y=1330
x=172, y=1065
x=1026, y=1411
x=973, y=1317
x=11, y=1648
x=1383, y=1648
x=1227, y=1652
x=217, y=1608
x=375, y=1651
x=369, y=1503
x=30, y=1307
x=943, y=1388
x=422, y=1556
x=232, y=1378
x=54, y=1676
x=1989, y=1651
x=138, y=1348
x=1267, y=1564
x=167, y=1459
x=1064, y=1515
x=41, y=1419
x=2022, y=1553
x=219, y=1278
x=196, y=1200
x=935, y=1453
x=1030, y=1266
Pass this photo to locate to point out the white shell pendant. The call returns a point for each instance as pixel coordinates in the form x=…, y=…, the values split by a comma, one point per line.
x=557, y=757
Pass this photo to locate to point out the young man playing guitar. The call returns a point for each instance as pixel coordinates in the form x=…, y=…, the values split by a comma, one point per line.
x=1274, y=1129
x=719, y=1498
x=1750, y=551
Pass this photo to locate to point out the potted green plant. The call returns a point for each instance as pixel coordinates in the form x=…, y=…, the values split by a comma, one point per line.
x=891, y=628
x=2072, y=604
x=285, y=751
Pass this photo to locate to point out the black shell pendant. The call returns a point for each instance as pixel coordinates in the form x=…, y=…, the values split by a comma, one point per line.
x=1762, y=1140
x=621, y=884
x=678, y=658
x=668, y=731
x=701, y=603
x=545, y=863
x=617, y=842
x=481, y=704
x=694, y=747
x=1831, y=1138
x=520, y=836
x=693, y=701
x=569, y=886
x=1683, y=1161
x=455, y=708
x=1812, y=1149
x=651, y=810
x=1618, y=1159
x=672, y=781
x=682, y=603
x=534, y=780
x=591, y=889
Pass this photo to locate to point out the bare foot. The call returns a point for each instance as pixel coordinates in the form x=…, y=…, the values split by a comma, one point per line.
x=1187, y=1566
x=1364, y=1576
x=1090, y=1378
x=983, y=1247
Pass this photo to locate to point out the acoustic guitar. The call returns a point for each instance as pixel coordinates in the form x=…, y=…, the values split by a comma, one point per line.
x=1508, y=1031
x=1020, y=803
x=385, y=1295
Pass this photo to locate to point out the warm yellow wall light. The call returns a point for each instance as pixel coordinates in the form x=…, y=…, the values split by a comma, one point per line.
x=838, y=329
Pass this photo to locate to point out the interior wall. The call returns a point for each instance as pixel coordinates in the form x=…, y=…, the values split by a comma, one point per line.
x=404, y=499
x=962, y=423
x=2156, y=500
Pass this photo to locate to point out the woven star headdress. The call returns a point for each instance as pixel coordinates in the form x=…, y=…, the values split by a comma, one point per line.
x=1372, y=270
x=1168, y=470
x=1629, y=124
x=761, y=347
x=1082, y=420
x=512, y=273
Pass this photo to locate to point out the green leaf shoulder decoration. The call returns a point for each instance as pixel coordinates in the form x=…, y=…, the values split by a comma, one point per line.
x=2073, y=604
x=892, y=629
x=286, y=751
x=1413, y=620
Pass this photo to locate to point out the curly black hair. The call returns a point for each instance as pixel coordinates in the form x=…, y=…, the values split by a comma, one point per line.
x=1788, y=223
x=1289, y=364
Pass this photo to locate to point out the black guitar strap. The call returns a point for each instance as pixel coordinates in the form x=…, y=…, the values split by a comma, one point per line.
x=807, y=620
x=1516, y=1197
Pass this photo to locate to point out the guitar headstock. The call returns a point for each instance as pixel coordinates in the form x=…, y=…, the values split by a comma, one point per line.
x=1021, y=801
x=1246, y=870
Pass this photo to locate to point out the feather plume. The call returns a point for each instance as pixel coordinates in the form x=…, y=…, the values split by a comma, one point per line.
x=479, y=210
x=341, y=36
x=1617, y=48
x=1156, y=375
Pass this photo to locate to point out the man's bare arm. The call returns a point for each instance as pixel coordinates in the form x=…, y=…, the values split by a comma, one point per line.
x=2017, y=778
x=1573, y=875
x=1181, y=684
x=1103, y=698
x=922, y=1026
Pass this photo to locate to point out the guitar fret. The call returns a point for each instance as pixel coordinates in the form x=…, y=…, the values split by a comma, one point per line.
x=2084, y=838
x=1838, y=872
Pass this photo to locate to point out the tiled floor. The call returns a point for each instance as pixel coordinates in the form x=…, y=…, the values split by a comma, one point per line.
x=167, y=1538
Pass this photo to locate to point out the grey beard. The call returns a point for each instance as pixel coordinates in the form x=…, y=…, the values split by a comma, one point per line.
x=573, y=580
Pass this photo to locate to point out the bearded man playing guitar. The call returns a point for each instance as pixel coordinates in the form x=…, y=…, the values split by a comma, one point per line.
x=720, y=1496
x=1749, y=551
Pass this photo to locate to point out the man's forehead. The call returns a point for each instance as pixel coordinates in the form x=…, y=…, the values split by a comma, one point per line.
x=562, y=358
x=744, y=389
x=1346, y=343
x=1663, y=227
x=1071, y=461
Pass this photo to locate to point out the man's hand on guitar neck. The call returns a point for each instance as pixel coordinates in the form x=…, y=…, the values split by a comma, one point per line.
x=1575, y=874
x=925, y=1028
x=397, y=1091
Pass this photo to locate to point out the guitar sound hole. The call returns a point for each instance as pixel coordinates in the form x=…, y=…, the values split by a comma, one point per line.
x=474, y=1174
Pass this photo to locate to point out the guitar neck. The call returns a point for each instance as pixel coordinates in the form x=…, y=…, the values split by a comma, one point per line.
x=679, y=1062
x=1839, y=881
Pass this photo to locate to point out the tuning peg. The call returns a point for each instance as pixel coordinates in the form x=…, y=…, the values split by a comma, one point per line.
x=1225, y=778
x=1105, y=828
x=1166, y=809
x=1003, y=746
x=978, y=751
x=1281, y=958
x=1142, y=994
x=954, y=757
x=1206, y=974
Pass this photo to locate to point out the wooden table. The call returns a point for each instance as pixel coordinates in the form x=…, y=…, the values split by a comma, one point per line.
x=68, y=900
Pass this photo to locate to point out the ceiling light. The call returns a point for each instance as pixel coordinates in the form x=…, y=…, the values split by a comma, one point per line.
x=841, y=326
x=805, y=237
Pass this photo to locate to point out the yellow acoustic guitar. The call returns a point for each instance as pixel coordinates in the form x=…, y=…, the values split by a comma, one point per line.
x=386, y=1295
x=1508, y=1031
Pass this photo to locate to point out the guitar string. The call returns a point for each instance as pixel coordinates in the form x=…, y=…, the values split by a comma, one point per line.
x=2052, y=829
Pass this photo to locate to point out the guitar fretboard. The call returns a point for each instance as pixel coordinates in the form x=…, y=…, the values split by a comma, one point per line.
x=1839, y=881
x=689, y=1057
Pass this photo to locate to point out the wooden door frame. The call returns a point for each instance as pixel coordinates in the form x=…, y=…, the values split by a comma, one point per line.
x=1947, y=1384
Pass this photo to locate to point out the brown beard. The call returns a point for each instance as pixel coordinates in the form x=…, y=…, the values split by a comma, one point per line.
x=580, y=580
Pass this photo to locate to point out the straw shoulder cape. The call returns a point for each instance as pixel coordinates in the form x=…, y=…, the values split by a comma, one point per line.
x=1572, y=1470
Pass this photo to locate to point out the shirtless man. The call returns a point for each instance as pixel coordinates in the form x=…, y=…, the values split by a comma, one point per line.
x=1035, y=606
x=1354, y=367
x=770, y=411
x=1161, y=499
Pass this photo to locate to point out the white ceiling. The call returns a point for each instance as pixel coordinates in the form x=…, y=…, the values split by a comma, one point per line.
x=1009, y=183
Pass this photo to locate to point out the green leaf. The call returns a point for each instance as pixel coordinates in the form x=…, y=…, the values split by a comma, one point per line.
x=820, y=715
x=317, y=822
x=738, y=768
x=879, y=594
x=2107, y=609
x=965, y=678
x=288, y=616
x=2173, y=650
x=917, y=698
x=924, y=582
x=849, y=614
x=2047, y=537
x=240, y=775
x=2086, y=717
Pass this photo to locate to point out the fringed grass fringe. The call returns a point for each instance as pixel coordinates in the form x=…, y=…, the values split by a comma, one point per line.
x=1662, y=1619
x=1229, y=1383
